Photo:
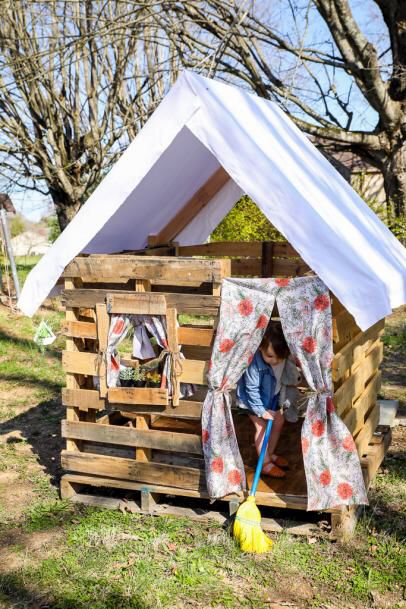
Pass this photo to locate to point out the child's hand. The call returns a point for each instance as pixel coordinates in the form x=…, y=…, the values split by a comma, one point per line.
x=268, y=414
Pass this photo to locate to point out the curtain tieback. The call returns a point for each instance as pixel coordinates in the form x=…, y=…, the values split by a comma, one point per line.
x=314, y=394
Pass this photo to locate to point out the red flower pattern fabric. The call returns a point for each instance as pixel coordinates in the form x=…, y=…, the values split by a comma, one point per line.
x=282, y=282
x=226, y=345
x=245, y=307
x=321, y=302
x=305, y=312
x=325, y=477
x=333, y=471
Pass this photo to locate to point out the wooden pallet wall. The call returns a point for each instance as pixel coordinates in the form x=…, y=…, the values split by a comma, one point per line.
x=138, y=438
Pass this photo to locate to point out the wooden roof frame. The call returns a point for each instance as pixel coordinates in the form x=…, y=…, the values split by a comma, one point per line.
x=195, y=204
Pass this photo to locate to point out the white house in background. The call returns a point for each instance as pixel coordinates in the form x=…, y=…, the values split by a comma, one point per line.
x=30, y=243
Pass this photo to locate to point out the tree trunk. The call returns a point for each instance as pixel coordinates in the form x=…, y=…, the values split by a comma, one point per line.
x=65, y=208
x=394, y=174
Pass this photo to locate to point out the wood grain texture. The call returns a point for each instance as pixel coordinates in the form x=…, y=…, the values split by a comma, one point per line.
x=136, y=437
x=84, y=399
x=194, y=371
x=79, y=329
x=138, y=395
x=197, y=304
x=195, y=204
x=121, y=268
x=137, y=303
x=76, y=362
x=130, y=469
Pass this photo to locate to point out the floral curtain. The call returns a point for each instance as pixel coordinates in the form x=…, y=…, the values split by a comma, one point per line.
x=156, y=326
x=119, y=327
x=246, y=306
x=332, y=467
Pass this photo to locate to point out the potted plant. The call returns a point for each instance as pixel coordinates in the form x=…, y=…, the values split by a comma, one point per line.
x=139, y=377
x=153, y=379
x=126, y=377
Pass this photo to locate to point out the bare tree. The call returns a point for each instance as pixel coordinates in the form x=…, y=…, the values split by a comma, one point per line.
x=77, y=81
x=321, y=84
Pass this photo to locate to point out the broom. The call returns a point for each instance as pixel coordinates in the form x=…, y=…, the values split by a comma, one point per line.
x=247, y=524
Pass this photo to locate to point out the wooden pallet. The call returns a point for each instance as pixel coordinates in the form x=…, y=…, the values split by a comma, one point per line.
x=153, y=499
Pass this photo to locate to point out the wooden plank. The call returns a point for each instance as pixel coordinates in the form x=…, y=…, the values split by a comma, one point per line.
x=195, y=204
x=246, y=267
x=129, y=436
x=99, y=482
x=173, y=346
x=138, y=395
x=236, y=248
x=197, y=304
x=185, y=410
x=194, y=371
x=138, y=303
x=103, y=325
x=76, y=362
x=355, y=349
x=72, y=381
x=346, y=328
x=79, y=329
x=280, y=267
x=196, y=352
x=354, y=419
x=375, y=454
x=336, y=306
x=130, y=469
x=269, y=499
x=142, y=422
x=122, y=268
x=364, y=437
x=195, y=336
x=352, y=388
x=83, y=399
x=173, y=424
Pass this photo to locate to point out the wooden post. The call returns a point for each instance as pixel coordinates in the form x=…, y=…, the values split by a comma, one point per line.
x=103, y=323
x=72, y=413
x=142, y=422
x=9, y=250
x=173, y=345
x=267, y=259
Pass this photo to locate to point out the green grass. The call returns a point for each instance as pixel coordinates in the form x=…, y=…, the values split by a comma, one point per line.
x=113, y=560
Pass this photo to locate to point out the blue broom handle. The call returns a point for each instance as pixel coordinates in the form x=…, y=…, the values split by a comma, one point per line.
x=264, y=446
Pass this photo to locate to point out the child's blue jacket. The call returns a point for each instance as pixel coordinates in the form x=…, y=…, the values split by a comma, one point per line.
x=256, y=387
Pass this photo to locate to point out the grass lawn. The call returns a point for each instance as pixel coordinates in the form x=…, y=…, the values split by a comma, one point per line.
x=56, y=555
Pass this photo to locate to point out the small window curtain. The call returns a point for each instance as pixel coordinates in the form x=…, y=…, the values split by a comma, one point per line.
x=142, y=348
x=119, y=328
x=332, y=466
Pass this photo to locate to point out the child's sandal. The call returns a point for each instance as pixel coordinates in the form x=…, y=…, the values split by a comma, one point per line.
x=272, y=470
x=279, y=461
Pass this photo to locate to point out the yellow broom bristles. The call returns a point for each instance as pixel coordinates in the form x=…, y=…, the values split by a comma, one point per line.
x=247, y=529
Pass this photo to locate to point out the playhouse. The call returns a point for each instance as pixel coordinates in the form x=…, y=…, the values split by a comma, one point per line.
x=134, y=263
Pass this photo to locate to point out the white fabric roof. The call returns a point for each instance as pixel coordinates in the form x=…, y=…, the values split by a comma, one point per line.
x=200, y=125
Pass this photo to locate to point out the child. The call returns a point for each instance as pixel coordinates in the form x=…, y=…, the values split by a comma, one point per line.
x=258, y=387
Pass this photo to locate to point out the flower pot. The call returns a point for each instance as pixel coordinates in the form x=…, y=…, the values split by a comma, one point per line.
x=126, y=383
x=154, y=385
x=139, y=383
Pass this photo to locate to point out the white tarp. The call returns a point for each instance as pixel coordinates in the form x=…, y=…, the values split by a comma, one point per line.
x=200, y=125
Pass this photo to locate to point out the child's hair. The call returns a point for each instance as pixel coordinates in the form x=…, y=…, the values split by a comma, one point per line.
x=274, y=336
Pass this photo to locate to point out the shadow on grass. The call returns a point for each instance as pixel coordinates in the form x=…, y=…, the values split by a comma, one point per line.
x=31, y=380
x=14, y=590
x=26, y=343
x=41, y=427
